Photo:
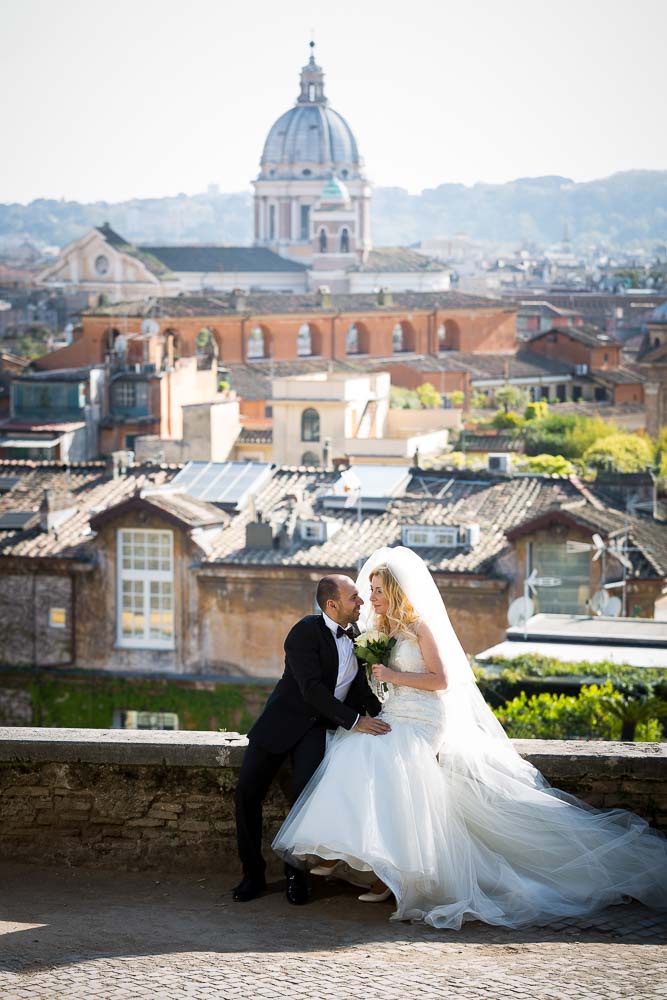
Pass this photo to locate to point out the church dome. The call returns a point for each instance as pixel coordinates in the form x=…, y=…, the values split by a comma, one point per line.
x=311, y=139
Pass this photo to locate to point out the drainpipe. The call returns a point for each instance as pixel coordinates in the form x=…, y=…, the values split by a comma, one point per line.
x=244, y=358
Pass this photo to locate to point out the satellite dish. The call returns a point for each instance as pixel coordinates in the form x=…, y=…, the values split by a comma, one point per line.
x=599, y=602
x=150, y=327
x=613, y=607
x=520, y=611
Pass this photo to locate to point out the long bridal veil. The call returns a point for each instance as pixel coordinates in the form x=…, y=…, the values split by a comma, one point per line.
x=530, y=852
x=472, y=729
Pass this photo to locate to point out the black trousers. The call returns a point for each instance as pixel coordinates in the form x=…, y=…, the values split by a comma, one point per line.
x=258, y=771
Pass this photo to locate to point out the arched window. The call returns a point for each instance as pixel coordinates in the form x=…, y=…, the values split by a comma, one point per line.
x=205, y=345
x=304, y=342
x=305, y=222
x=310, y=425
x=403, y=337
x=344, y=240
x=449, y=336
x=352, y=340
x=256, y=343
x=323, y=241
x=310, y=458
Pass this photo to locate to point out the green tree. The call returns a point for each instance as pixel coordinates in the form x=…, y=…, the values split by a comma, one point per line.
x=537, y=410
x=511, y=397
x=568, y=435
x=620, y=453
x=456, y=398
x=551, y=465
x=428, y=396
x=478, y=401
x=660, y=453
x=403, y=399
x=507, y=420
x=594, y=713
x=634, y=712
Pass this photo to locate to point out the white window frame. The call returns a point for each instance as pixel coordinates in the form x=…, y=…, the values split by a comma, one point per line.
x=146, y=577
x=313, y=531
x=132, y=719
x=421, y=537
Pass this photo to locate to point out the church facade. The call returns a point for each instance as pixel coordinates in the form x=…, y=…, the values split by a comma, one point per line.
x=312, y=227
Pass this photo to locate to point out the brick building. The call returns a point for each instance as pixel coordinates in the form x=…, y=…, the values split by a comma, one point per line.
x=203, y=570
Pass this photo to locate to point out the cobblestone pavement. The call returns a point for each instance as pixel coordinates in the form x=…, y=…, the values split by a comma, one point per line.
x=93, y=935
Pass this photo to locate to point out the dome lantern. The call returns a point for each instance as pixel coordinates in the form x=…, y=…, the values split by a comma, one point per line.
x=312, y=82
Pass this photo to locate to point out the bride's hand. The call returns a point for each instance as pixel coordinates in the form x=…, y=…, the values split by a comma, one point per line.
x=382, y=673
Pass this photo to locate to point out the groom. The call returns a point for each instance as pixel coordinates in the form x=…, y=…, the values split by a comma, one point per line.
x=321, y=688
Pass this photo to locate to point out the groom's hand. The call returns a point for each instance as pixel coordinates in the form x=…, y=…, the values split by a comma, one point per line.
x=375, y=727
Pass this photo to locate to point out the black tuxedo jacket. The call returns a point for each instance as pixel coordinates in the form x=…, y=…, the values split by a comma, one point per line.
x=304, y=695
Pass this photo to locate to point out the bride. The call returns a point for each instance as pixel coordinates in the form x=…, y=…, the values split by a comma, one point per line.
x=442, y=810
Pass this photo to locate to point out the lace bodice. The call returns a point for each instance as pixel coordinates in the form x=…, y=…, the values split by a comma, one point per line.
x=406, y=656
x=421, y=709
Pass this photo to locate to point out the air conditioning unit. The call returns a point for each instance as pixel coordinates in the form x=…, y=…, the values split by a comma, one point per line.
x=499, y=463
x=581, y=369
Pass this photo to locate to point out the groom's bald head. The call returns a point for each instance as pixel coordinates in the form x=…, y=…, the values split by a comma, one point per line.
x=339, y=598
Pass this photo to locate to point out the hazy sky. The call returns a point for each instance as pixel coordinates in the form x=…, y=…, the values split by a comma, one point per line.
x=121, y=98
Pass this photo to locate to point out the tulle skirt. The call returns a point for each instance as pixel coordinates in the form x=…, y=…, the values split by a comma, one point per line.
x=458, y=840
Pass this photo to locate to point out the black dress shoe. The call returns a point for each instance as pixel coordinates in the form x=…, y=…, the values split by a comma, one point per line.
x=297, y=888
x=248, y=888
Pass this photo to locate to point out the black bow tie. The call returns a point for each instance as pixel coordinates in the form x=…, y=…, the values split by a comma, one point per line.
x=349, y=632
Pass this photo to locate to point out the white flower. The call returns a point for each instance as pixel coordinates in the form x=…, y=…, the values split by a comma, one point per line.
x=372, y=635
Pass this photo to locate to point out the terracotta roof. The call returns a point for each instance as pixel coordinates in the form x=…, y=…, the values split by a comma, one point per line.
x=253, y=380
x=91, y=489
x=180, y=508
x=284, y=303
x=216, y=259
x=450, y=497
x=118, y=242
x=252, y=435
x=523, y=364
x=399, y=259
x=501, y=505
x=626, y=374
x=591, y=336
x=470, y=441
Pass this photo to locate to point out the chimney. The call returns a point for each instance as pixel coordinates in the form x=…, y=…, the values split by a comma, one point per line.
x=326, y=454
x=238, y=299
x=258, y=535
x=117, y=463
x=385, y=297
x=54, y=509
x=324, y=297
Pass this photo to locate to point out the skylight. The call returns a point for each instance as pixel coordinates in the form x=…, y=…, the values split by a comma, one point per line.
x=8, y=483
x=11, y=520
x=379, y=485
x=227, y=484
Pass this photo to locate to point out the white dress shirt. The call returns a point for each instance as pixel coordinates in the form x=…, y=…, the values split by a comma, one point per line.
x=347, y=661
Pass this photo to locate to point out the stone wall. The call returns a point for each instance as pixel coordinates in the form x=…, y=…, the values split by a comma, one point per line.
x=164, y=801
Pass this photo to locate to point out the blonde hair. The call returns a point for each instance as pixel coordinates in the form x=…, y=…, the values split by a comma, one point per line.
x=400, y=617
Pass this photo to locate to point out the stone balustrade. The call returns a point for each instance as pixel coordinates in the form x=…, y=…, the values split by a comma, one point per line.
x=146, y=800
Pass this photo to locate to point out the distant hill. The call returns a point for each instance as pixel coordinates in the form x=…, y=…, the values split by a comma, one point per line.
x=621, y=210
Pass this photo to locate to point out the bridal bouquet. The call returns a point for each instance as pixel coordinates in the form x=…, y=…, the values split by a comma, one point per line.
x=373, y=647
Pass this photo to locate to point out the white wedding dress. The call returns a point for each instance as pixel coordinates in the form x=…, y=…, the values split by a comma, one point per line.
x=471, y=837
